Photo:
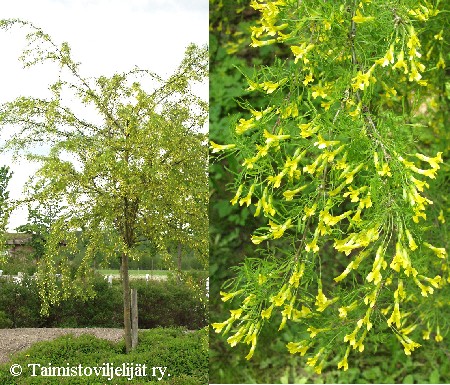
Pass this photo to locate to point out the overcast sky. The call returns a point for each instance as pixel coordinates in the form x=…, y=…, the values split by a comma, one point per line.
x=106, y=36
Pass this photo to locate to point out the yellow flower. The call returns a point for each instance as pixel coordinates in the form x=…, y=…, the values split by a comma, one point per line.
x=322, y=302
x=220, y=147
x=438, y=336
x=326, y=105
x=412, y=245
x=424, y=289
x=329, y=220
x=440, y=251
x=259, y=114
x=347, y=245
x=395, y=316
x=283, y=295
x=400, y=292
x=218, y=326
x=343, y=363
x=408, y=344
x=322, y=143
x=401, y=63
x=430, y=173
x=418, y=183
x=439, y=35
x=314, y=331
x=270, y=87
x=236, y=338
x=249, y=299
x=356, y=112
x=274, y=139
x=312, y=246
x=276, y=180
x=318, y=90
x=228, y=296
x=311, y=168
x=385, y=170
x=436, y=281
x=298, y=347
x=434, y=162
x=248, y=198
x=311, y=361
x=250, y=162
x=236, y=314
x=253, y=340
x=367, y=202
x=400, y=258
x=308, y=79
x=309, y=211
x=260, y=43
x=350, y=174
x=278, y=230
x=441, y=217
x=301, y=51
x=441, y=62
x=347, y=270
x=358, y=18
x=266, y=313
x=289, y=194
x=371, y=298
x=258, y=208
x=308, y=129
x=351, y=338
x=238, y=194
x=366, y=320
x=388, y=57
x=345, y=309
x=360, y=81
x=296, y=275
x=245, y=125
x=413, y=43
x=257, y=239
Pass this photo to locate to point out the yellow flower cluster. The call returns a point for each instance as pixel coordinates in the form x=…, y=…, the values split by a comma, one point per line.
x=294, y=155
x=411, y=193
x=270, y=11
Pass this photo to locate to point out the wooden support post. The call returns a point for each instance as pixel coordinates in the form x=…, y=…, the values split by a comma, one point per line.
x=134, y=319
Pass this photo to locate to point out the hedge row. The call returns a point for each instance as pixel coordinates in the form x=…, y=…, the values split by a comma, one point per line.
x=184, y=354
x=160, y=303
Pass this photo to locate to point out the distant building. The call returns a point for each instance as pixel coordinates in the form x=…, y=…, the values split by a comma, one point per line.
x=18, y=244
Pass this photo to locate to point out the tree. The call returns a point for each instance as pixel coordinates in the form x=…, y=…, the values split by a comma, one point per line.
x=125, y=174
x=343, y=160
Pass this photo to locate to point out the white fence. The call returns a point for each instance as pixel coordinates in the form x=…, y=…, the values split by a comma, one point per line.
x=20, y=276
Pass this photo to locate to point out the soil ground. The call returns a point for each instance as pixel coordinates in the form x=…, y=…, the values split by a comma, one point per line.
x=15, y=340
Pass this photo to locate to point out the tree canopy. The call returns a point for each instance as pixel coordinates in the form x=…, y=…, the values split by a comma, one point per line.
x=126, y=158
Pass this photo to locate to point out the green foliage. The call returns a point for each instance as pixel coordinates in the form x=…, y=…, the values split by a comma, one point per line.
x=183, y=353
x=160, y=304
x=5, y=209
x=341, y=155
x=40, y=219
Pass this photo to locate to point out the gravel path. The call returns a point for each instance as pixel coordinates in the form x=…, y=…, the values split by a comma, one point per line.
x=15, y=340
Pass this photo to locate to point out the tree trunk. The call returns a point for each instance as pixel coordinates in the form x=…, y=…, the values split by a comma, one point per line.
x=126, y=303
x=134, y=319
x=179, y=256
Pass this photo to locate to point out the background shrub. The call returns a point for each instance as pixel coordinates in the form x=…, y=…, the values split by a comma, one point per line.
x=160, y=303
